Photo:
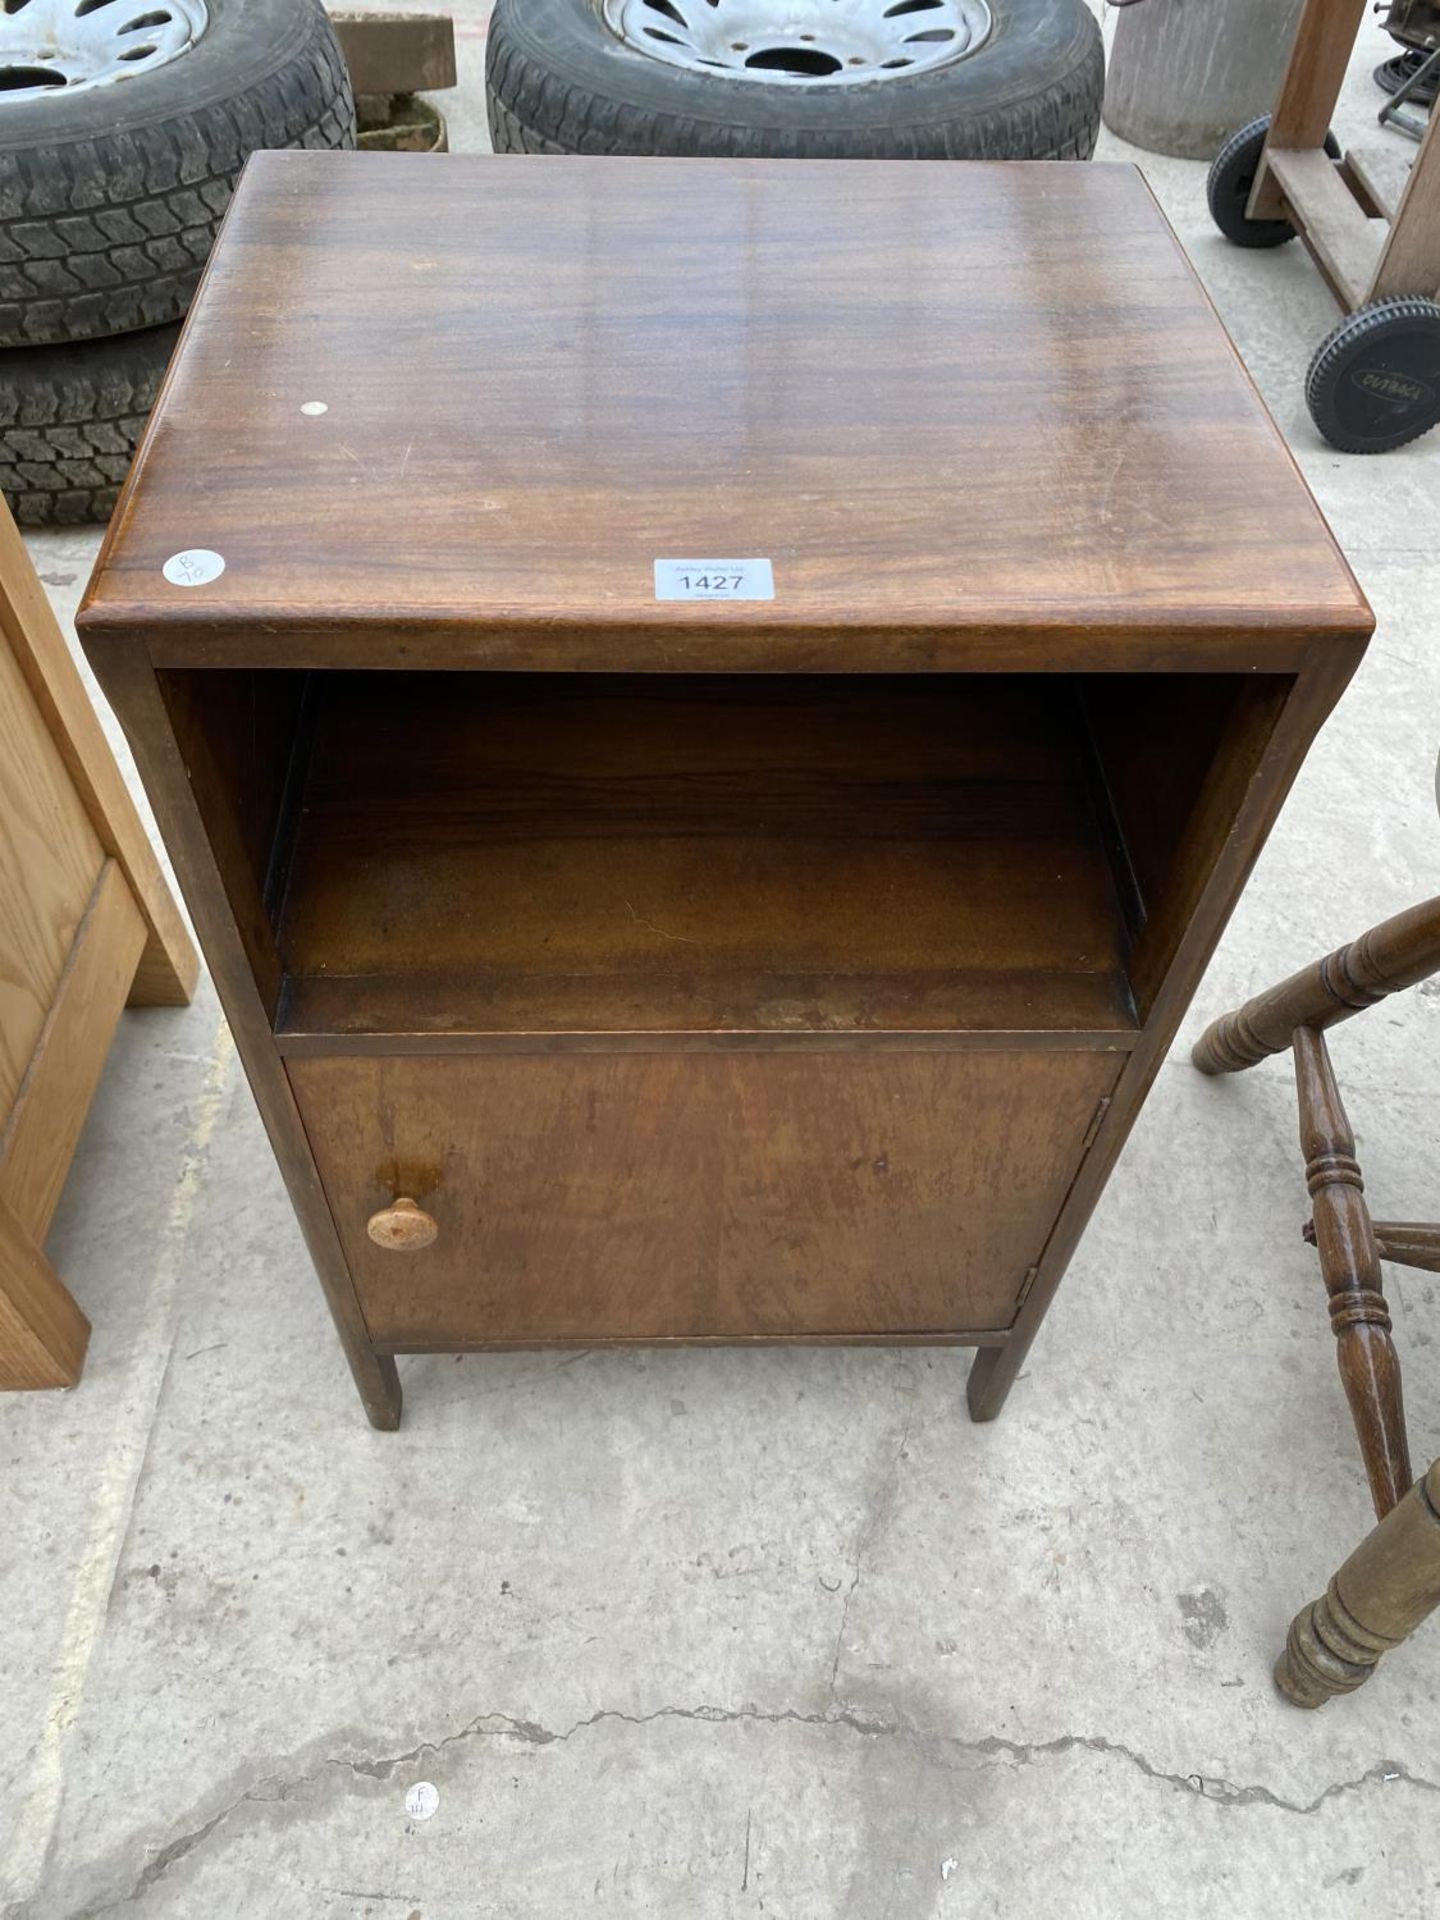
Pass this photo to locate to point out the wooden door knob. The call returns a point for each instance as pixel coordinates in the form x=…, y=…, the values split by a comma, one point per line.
x=403, y=1227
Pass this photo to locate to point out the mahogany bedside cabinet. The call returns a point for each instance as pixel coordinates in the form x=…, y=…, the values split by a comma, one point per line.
x=709, y=716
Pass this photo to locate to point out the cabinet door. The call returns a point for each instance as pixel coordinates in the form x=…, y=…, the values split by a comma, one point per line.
x=639, y=1196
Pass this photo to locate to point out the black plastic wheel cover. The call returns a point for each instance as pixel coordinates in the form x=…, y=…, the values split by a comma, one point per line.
x=1380, y=386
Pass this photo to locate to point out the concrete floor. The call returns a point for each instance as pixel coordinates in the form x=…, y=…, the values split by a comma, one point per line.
x=714, y=1633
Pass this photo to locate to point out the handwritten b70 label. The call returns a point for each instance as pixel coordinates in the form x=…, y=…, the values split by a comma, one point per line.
x=195, y=567
x=714, y=580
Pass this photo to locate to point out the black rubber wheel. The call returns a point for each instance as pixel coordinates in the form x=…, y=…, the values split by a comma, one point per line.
x=70, y=418
x=110, y=196
x=1232, y=175
x=558, y=80
x=1375, y=383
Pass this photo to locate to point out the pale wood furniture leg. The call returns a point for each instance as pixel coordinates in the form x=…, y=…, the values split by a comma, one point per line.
x=43, y=1334
x=1378, y=1598
x=40, y=1134
x=169, y=965
x=85, y=920
x=1394, y=955
x=1350, y=1263
x=1324, y=41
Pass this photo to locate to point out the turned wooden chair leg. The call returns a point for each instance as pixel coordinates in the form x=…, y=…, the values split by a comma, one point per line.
x=1388, y=958
x=1350, y=1263
x=1377, y=1599
x=1392, y=1581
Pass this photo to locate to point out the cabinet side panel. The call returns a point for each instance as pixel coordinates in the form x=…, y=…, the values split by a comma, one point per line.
x=1177, y=754
x=240, y=734
x=130, y=685
x=1243, y=792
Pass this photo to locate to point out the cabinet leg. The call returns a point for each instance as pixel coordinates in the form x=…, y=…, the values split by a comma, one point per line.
x=992, y=1374
x=1382, y=1593
x=378, y=1380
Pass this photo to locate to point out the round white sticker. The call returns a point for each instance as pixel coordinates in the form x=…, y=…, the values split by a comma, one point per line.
x=196, y=567
x=314, y=408
x=422, y=1800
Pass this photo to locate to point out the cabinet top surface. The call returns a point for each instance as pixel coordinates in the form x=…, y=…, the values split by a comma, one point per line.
x=459, y=407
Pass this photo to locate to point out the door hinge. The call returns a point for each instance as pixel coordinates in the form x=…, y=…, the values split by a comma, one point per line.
x=1096, y=1122
x=1025, y=1286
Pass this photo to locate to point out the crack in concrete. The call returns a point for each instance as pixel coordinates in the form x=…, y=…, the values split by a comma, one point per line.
x=168, y=1855
x=936, y=1749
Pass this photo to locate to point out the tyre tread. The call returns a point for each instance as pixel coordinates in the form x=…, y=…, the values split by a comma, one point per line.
x=109, y=234
x=531, y=110
x=70, y=419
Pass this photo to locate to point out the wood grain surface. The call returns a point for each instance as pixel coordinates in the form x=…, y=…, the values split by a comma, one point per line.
x=50, y=859
x=804, y=978
x=39, y=1135
x=699, y=1195
x=169, y=965
x=562, y=854
x=43, y=1334
x=971, y=414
